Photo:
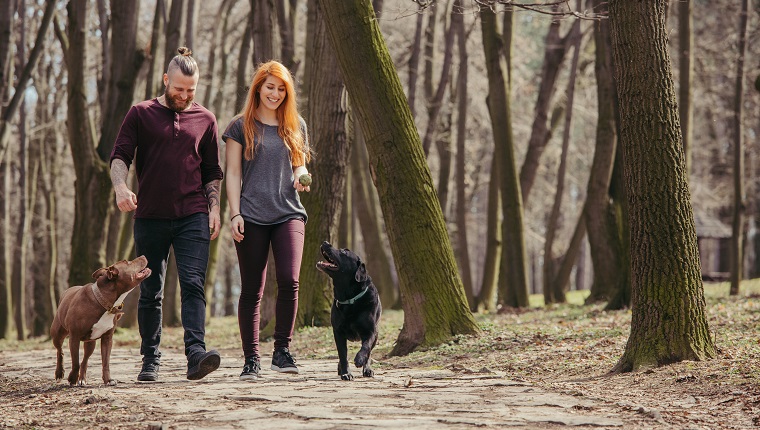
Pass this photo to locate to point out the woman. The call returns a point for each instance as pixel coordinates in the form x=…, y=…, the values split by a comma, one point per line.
x=267, y=151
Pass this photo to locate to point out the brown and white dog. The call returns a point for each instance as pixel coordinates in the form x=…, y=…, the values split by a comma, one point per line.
x=90, y=312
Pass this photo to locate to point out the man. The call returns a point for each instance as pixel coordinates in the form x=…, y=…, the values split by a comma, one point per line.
x=177, y=205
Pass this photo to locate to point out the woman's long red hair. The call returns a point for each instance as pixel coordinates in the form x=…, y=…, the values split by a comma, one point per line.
x=289, y=127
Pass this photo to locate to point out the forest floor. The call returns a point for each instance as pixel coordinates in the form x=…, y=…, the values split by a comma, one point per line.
x=545, y=367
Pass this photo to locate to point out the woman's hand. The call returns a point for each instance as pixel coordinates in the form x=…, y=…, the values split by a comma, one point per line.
x=298, y=184
x=237, y=225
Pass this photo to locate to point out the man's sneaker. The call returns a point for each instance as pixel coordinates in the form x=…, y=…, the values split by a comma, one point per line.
x=201, y=364
x=282, y=361
x=251, y=369
x=149, y=372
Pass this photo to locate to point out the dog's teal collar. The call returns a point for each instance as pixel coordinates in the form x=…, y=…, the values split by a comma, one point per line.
x=352, y=301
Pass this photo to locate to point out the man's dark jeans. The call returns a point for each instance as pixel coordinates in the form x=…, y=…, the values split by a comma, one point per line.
x=190, y=238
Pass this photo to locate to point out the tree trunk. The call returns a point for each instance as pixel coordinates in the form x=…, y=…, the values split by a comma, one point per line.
x=414, y=62
x=6, y=296
x=23, y=79
x=463, y=252
x=737, y=226
x=443, y=145
x=435, y=102
x=603, y=231
x=171, y=303
x=286, y=19
x=513, y=256
x=152, y=86
x=345, y=236
x=555, y=49
x=7, y=9
x=19, y=279
x=94, y=195
x=263, y=31
x=487, y=295
x=554, y=293
x=375, y=253
x=668, y=323
x=173, y=31
x=120, y=88
x=328, y=138
x=190, y=25
x=105, y=63
x=685, y=66
x=621, y=297
x=435, y=307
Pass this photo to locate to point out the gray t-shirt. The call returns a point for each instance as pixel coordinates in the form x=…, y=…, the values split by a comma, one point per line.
x=267, y=196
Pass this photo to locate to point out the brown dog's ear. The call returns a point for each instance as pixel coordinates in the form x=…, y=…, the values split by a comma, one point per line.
x=112, y=273
x=361, y=273
x=98, y=273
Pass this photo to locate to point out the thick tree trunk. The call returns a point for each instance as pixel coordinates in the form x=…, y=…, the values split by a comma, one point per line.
x=94, y=195
x=513, y=256
x=737, y=226
x=328, y=138
x=668, y=322
x=435, y=307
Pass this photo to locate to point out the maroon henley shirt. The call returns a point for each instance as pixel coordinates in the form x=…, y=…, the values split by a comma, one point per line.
x=177, y=154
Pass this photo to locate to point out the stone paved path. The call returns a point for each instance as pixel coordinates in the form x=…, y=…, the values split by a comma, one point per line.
x=314, y=399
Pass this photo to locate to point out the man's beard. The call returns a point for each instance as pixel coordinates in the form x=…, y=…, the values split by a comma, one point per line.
x=177, y=104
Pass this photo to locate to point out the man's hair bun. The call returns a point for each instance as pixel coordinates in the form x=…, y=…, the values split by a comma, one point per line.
x=184, y=51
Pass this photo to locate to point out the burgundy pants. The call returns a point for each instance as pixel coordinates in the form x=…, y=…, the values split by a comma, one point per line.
x=286, y=240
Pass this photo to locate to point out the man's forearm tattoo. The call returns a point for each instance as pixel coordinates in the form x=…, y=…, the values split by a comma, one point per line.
x=119, y=171
x=212, y=192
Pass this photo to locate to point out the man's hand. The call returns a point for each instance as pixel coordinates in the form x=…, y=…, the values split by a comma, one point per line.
x=214, y=222
x=126, y=200
x=212, y=194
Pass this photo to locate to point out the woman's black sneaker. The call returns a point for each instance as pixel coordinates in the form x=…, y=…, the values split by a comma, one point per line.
x=251, y=369
x=283, y=362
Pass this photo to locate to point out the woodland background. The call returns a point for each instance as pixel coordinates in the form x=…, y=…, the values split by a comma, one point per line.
x=49, y=142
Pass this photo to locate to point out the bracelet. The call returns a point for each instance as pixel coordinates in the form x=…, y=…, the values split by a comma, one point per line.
x=234, y=216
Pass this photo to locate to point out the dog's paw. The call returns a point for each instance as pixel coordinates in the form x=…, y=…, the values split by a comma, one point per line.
x=347, y=377
x=111, y=382
x=81, y=383
x=361, y=358
x=368, y=373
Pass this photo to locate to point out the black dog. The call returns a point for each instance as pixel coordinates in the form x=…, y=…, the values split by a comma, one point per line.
x=356, y=309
